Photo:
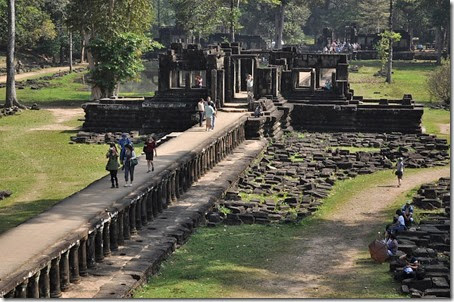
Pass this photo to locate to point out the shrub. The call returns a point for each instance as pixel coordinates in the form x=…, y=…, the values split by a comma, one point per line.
x=439, y=82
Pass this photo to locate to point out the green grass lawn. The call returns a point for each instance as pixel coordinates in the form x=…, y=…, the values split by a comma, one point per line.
x=41, y=167
x=432, y=120
x=228, y=261
x=409, y=77
x=69, y=90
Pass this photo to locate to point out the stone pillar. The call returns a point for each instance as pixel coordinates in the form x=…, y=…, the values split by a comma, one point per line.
x=44, y=282
x=143, y=210
x=83, y=258
x=106, y=239
x=10, y=294
x=154, y=197
x=139, y=214
x=33, y=286
x=317, y=77
x=150, y=205
x=54, y=274
x=169, y=190
x=164, y=193
x=120, y=227
x=313, y=81
x=21, y=290
x=114, y=233
x=221, y=89
x=74, y=276
x=99, y=245
x=177, y=184
x=126, y=224
x=91, y=247
x=132, y=218
x=64, y=271
x=159, y=198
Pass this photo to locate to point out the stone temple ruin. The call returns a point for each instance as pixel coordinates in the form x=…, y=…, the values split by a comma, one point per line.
x=306, y=91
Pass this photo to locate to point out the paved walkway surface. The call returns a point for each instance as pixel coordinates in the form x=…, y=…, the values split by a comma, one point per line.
x=26, y=75
x=32, y=238
x=113, y=278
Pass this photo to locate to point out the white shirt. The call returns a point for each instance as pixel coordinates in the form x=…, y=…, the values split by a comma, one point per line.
x=200, y=106
x=401, y=220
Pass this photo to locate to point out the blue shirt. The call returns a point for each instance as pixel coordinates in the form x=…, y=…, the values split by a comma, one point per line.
x=209, y=111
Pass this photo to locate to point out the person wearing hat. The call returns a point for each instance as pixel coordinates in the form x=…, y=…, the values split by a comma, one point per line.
x=399, y=170
x=407, y=212
x=124, y=140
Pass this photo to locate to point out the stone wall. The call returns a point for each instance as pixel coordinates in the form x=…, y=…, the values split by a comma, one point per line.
x=357, y=118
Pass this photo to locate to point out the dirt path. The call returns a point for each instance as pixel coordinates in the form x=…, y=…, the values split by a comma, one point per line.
x=324, y=257
x=444, y=128
x=61, y=115
x=26, y=75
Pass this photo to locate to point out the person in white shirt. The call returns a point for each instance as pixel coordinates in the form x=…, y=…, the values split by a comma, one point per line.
x=200, y=111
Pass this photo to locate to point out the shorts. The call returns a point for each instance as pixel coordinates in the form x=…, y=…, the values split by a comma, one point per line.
x=149, y=156
x=399, y=174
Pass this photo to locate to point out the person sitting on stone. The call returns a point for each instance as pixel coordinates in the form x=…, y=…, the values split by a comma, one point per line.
x=399, y=225
x=407, y=212
x=391, y=244
x=198, y=81
x=258, y=110
x=328, y=85
x=412, y=268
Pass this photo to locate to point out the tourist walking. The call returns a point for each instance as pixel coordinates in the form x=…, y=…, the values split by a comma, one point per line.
x=209, y=113
x=200, y=111
x=150, y=150
x=213, y=119
x=129, y=163
x=249, y=86
x=112, y=164
x=124, y=140
x=399, y=170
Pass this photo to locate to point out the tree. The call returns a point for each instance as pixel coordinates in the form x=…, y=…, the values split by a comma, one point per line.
x=383, y=48
x=116, y=60
x=439, y=82
x=108, y=21
x=11, y=98
x=372, y=15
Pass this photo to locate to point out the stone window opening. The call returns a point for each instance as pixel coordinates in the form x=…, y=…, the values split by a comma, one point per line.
x=304, y=80
x=198, y=79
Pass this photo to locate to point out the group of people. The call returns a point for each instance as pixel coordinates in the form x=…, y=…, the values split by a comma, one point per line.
x=339, y=47
x=207, y=110
x=128, y=159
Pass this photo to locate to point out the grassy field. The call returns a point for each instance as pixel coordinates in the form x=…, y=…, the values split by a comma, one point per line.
x=408, y=77
x=69, y=90
x=434, y=120
x=228, y=261
x=41, y=167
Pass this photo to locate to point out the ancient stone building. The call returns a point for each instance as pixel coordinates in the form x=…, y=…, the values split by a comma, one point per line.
x=311, y=89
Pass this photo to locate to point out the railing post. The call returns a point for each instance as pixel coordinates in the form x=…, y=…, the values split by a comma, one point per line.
x=91, y=248
x=54, y=274
x=74, y=276
x=132, y=218
x=106, y=239
x=114, y=233
x=120, y=220
x=21, y=290
x=44, y=282
x=126, y=224
x=138, y=214
x=64, y=271
x=83, y=257
x=33, y=286
x=99, y=245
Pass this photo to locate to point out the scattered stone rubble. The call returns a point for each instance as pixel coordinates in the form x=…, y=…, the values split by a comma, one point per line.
x=84, y=137
x=9, y=111
x=299, y=170
x=429, y=243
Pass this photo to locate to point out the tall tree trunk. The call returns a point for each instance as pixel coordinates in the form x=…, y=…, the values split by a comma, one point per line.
x=82, y=48
x=232, y=24
x=390, y=57
x=439, y=43
x=11, y=98
x=280, y=16
x=96, y=92
x=70, y=51
x=62, y=54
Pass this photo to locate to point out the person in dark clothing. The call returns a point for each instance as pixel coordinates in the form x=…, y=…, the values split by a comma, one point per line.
x=150, y=149
x=112, y=164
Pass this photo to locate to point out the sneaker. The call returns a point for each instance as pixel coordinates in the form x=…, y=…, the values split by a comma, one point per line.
x=130, y=185
x=112, y=187
x=148, y=171
x=126, y=185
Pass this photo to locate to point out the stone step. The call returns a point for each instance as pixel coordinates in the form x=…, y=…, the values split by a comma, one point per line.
x=237, y=110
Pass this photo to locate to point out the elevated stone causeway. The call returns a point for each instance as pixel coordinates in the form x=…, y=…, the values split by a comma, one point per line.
x=45, y=255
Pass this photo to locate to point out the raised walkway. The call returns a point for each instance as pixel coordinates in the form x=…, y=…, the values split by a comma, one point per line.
x=26, y=247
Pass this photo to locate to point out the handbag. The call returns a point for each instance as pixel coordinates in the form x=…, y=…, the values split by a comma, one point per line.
x=134, y=161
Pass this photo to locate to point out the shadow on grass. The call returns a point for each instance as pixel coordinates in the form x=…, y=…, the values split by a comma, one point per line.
x=20, y=212
x=59, y=104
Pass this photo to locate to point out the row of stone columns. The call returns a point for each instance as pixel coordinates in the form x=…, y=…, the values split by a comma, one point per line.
x=55, y=277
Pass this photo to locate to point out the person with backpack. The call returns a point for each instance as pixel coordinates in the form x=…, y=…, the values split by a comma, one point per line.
x=129, y=163
x=399, y=170
x=150, y=149
x=124, y=140
x=112, y=164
